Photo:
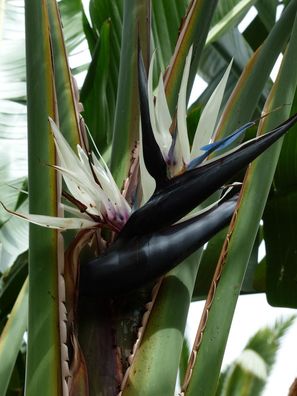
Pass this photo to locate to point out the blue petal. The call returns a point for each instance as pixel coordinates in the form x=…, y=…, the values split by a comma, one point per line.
x=219, y=145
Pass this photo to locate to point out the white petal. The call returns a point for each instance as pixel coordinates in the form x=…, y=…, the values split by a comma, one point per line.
x=160, y=126
x=162, y=110
x=84, y=162
x=163, y=118
x=59, y=223
x=88, y=193
x=182, y=142
x=102, y=200
x=64, y=150
x=151, y=95
x=74, y=211
x=70, y=163
x=109, y=186
x=209, y=115
x=148, y=183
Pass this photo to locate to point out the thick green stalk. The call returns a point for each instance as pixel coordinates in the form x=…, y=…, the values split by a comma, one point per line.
x=155, y=364
x=43, y=374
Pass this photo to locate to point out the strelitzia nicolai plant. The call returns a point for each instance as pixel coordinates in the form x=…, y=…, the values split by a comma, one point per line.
x=143, y=249
x=139, y=235
x=149, y=241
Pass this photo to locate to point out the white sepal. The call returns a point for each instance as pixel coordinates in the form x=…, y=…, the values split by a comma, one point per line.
x=209, y=116
x=59, y=223
x=159, y=113
x=148, y=183
x=182, y=141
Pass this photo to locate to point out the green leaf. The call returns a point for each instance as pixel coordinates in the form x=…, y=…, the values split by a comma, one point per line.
x=280, y=224
x=11, y=337
x=267, y=12
x=14, y=238
x=11, y=283
x=216, y=57
x=280, y=236
x=243, y=101
x=223, y=45
x=67, y=98
x=94, y=93
x=166, y=20
x=126, y=121
x=185, y=354
x=17, y=379
x=102, y=11
x=234, y=13
x=207, y=266
x=255, y=33
x=193, y=31
x=71, y=14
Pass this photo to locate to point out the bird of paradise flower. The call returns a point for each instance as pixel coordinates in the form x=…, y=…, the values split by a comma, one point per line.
x=153, y=238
